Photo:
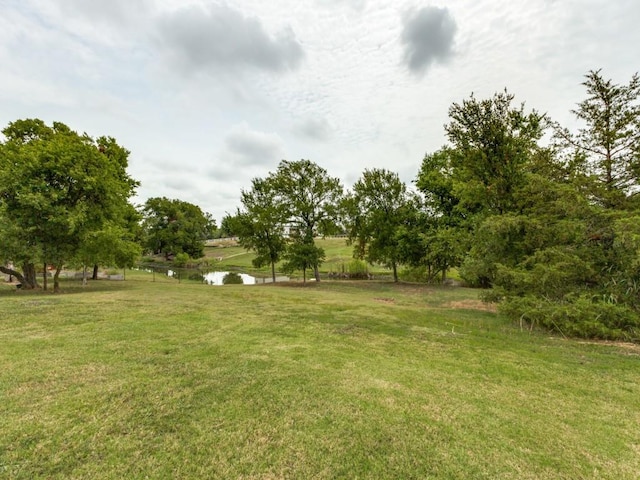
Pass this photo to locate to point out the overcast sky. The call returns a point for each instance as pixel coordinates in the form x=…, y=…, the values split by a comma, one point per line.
x=207, y=95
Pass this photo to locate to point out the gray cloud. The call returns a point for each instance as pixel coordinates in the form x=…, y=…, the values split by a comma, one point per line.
x=427, y=36
x=221, y=38
x=314, y=128
x=249, y=147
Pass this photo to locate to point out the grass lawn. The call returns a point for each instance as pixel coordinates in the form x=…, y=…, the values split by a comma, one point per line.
x=142, y=379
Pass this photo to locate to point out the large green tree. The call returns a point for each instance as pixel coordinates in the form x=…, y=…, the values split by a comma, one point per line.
x=567, y=255
x=377, y=207
x=492, y=142
x=310, y=200
x=56, y=189
x=173, y=226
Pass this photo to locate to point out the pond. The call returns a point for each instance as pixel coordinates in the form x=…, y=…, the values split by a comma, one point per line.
x=218, y=278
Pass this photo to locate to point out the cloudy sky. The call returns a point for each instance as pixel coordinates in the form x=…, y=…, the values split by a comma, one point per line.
x=208, y=94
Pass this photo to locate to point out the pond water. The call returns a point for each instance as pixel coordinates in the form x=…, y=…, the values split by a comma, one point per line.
x=217, y=278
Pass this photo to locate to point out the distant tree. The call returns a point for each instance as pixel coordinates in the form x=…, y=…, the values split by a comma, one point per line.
x=376, y=209
x=303, y=254
x=310, y=200
x=259, y=226
x=232, y=278
x=57, y=188
x=175, y=226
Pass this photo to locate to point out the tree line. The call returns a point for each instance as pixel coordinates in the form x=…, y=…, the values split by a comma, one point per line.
x=546, y=219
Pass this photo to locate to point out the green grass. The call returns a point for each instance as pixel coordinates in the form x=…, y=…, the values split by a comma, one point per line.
x=143, y=379
x=337, y=257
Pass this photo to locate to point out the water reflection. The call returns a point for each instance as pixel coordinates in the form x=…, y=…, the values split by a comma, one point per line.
x=217, y=278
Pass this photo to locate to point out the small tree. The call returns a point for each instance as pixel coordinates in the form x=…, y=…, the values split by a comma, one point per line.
x=260, y=225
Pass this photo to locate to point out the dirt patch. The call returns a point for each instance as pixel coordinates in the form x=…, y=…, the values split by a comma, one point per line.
x=385, y=300
x=473, y=305
x=630, y=348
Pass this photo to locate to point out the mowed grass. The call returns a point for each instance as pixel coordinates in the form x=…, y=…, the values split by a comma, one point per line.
x=142, y=379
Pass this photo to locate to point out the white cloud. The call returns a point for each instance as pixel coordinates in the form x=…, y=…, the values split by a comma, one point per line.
x=207, y=94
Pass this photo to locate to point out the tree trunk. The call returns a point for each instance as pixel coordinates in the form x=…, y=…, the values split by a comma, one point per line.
x=95, y=272
x=44, y=276
x=304, y=276
x=84, y=275
x=29, y=276
x=56, y=279
x=273, y=271
x=316, y=272
x=395, y=271
x=11, y=272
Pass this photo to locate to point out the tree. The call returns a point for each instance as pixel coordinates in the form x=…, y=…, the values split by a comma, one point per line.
x=376, y=209
x=492, y=143
x=260, y=225
x=310, y=200
x=303, y=254
x=175, y=226
x=609, y=141
x=56, y=188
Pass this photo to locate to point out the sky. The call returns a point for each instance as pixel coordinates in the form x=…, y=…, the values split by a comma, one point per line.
x=207, y=94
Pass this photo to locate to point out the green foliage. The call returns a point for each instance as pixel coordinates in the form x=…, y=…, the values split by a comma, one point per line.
x=377, y=207
x=303, y=255
x=607, y=144
x=300, y=197
x=63, y=196
x=232, y=278
x=260, y=225
x=181, y=259
x=357, y=269
x=175, y=226
x=579, y=316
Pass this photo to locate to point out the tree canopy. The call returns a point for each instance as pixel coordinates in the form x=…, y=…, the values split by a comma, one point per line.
x=172, y=226
x=57, y=189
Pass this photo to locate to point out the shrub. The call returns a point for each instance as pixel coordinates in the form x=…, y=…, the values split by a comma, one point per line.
x=232, y=278
x=357, y=269
x=181, y=259
x=579, y=317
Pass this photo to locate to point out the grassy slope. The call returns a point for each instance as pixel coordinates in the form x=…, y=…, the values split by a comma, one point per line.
x=338, y=380
x=337, y=257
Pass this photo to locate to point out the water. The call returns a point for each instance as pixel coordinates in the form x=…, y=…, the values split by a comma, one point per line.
x=216, y=278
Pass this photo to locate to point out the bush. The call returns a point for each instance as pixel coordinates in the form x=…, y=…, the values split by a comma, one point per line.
x=357, y=269
x=415, y=274
x=579, y=317
x=181, y=259
x=232, y=278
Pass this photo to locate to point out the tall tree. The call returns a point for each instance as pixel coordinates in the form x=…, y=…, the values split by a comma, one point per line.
x=259, y=226
x=609, y=140
x=310, y=199
x=492, y=142
x=377, y=207
x=56, y=187
x=174, y=226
